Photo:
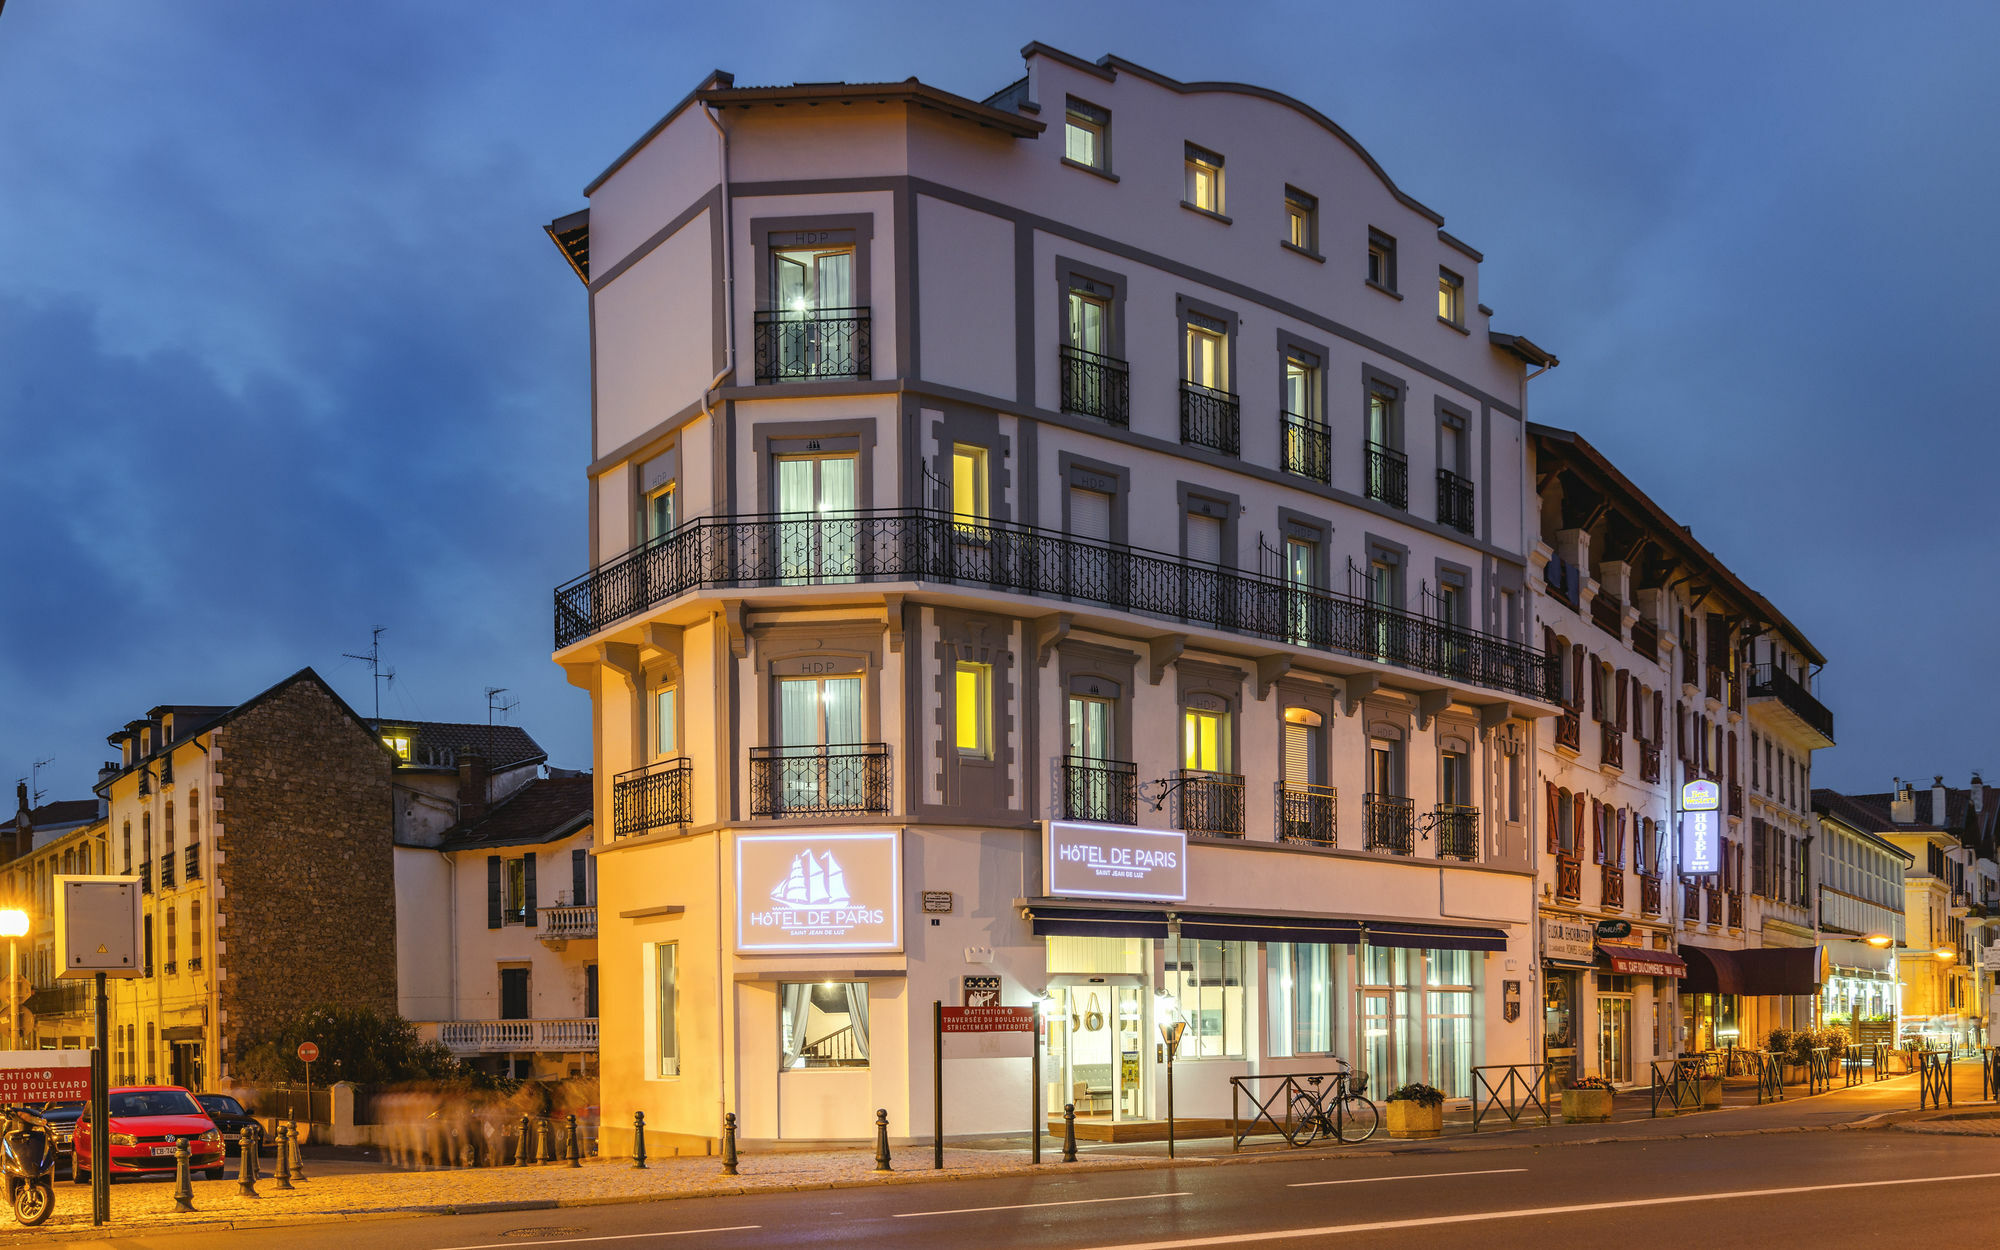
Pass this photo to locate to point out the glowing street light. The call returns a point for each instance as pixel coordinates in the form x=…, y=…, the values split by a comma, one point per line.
x=1879, y=940
x=13, y=927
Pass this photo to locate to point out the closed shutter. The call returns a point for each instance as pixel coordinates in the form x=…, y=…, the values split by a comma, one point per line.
x=496, y=890
x=1298, y=755
x=528, y=870
x=1624, y=688
x=1555, y=818
x=1204, y=539
x=1596, y=832
x=1089, y=514
x=1576, y=822
x=579, y=881
x=1621, y=837
x=1760, y=855
x=1576, y=655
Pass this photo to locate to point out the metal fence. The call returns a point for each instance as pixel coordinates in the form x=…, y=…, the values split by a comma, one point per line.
x=1676, y=1084
x=1275, y=1101
x=1515, y=1088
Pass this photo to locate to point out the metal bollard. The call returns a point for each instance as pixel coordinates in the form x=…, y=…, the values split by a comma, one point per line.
x=183, y=1188
x=545, y=1141
x=575, y=1154
x=1069, y=1132
x=882, y=1141
x=639, y=1139
x=246, y=1162
x=298, y=1153
x=284, y=1162
x=525, y=1146
x=729, y=1144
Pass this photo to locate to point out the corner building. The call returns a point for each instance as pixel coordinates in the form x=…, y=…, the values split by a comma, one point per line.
x=1072, y=546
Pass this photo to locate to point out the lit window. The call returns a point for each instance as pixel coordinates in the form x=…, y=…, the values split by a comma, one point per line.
x=1085, y=131
x=1204, y=180
x=660, y=514
x=1205, y=980
x=666, y=720
x=1451, y=297
x=666, y=1009
x=824, y=1024
x=515, y=909
x=1207, y=353
x=399, y=743
x=1302, y=219
x=1381, y=260
x=1204, y=736
x=968, y=481
x=974, y=709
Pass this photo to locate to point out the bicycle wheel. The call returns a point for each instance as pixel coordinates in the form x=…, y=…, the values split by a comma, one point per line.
x=1308, y=1121
x=1356, y=1120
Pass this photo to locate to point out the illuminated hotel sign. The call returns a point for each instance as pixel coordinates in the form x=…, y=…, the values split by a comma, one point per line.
x=1114, y=861
x=1701, y=828
x=817, y=892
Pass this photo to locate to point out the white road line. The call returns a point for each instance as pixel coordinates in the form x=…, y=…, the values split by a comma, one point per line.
x=573, y=1241
x=1333, y=1230
x=1018, y=1206
x=1420, y=1176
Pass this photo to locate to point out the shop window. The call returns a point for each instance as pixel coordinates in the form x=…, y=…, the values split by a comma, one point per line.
x=824, y=1024
x=1205, y=980
x=1303, y=994
x=1450, y=1020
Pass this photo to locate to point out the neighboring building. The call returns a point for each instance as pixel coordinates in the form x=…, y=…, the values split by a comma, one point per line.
x=1654, y=629
x=56, y=839
x=41, y=825
x=260, y=834
x=1860, y=917
x=1116, y=465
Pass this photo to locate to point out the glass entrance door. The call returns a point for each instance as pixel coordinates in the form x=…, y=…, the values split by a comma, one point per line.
x=1099, y=1040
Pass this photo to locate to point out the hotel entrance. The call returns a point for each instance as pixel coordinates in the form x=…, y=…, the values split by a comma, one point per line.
x=1098, y=1057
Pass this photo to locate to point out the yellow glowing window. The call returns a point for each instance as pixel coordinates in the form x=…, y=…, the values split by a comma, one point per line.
x=1204, y=179
x=1451, y=297
x=1202, y=737
x=968, y=481
x=399, y=743
x=974, y=710
x=1302, y=219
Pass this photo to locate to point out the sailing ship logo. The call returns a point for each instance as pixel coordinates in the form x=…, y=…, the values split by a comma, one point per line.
x=814, y=881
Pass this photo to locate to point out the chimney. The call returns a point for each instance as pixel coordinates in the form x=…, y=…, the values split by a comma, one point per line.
x=20, y=800
x=1903, y=807
x=472, y=785
x=1978, y=789
x=1937, y=801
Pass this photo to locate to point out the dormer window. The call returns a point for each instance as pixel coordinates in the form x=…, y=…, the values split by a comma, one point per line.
x=399, y=742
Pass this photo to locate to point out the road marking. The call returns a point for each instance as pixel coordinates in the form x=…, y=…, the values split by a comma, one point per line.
x=1018, y=1206
x=1333, y=1230
x=571, y=1241
x=1420, y=1176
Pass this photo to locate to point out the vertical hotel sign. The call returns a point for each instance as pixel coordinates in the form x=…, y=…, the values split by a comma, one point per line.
x=819, y=892
x=1701, y=828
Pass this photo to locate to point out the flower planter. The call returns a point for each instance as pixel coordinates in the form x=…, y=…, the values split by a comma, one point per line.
x=1586, y=1106
x=1413, y=1119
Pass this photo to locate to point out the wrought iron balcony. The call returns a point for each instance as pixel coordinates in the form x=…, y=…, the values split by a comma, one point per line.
x=1735, y=909
x=813, y=344
x=923, y=545
x=654, y=797
x=1455, y=501
x=1607, y=612
x=167, y=871
x=842, y=780
x=1308, y=447
x=1768, y=681
x=1613, y=755
x=1691, y=901
x=191, y=863
x=1211, y=419
x=1569, y=877
x=1613, y=879
x=1106, y=791
x=1569, y=729
x=146, y=877
x=561, y=924
x=1649, y=761
x=1388, y=474
x=1095, y=385
x=1735, y=799
x=1649, y=894
x=1646, y=639
x=1457, y=831
x=1307, y=814
x=1391, y=824
x=1209, y=805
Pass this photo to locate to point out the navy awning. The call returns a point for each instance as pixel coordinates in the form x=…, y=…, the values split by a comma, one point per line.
x=1090, y=922
x=1758, y=972
x=1443, y=937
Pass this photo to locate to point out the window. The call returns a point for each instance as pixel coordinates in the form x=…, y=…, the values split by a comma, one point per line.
x=1090, y=728
x=1454, y=779
x=1303, y=994
x=824, y=1025
x=974, y=709
x=1089, y=317
x=660, y=516
x=1451, y=298
x=1205, y=979
x=128, y=848
x=1302, y=576
x=1385, y=767
x=1207, y=359
x=1302, y=389
x=1090, y=514
x=167, y=830
x=1301, y=220
x=812, y=279
x=1204, y=740
x=514, y=907
x=514, y=1000
x=968, y=481
x=194, y=935
x=810, y=487
x=1204, y=180
x=194, y=814
x=666, y=1010
x=1381, y=261
x=666, y=721
x=398, y=742
x=1086, y=135
x=173, y=937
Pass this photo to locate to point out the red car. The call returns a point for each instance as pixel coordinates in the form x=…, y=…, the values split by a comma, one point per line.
x=147, y=1122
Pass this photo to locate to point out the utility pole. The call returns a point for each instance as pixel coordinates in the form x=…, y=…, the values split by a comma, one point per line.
x=377, y=674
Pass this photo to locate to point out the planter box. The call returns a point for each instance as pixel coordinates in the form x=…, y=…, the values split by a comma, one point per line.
x=1711, y=1092
x=1413, y=1119
x=1586, y=1106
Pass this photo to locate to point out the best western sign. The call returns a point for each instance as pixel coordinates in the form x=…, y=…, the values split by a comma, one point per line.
x=1701, y=828
x=816, y=892
x=1114, y=861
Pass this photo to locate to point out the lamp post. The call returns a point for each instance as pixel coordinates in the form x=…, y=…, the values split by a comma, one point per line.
x=13, y=926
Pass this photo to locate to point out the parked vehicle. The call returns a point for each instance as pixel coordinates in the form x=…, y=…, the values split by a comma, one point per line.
x=61, y=1117
x=230, y=1116
x=147, y=1122
x=28, y=1161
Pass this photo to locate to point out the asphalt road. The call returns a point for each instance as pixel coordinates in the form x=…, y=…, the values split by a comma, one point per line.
x=1824, y=1189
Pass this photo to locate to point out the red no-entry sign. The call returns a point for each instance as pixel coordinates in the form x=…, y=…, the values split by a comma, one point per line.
x=308, y=1052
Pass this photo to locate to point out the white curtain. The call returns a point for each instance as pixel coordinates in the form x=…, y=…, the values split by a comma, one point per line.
x=794, y=998
x=857, y=1014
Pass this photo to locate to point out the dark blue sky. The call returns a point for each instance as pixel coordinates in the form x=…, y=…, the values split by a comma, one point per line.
x=284, y=353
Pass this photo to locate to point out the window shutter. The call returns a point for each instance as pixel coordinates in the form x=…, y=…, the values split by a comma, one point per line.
x=1621, y=837
x=1576, y=822
x=1555, y=824
x=1659, y=714
x=1596, y=832
x=1760, y=850
x=1298, y=754
x=1089, y=514
x=496, y=887
x=1624, y=689
x=1596, y=693
x=1732, y=757
x=579, y=885
x=1204, y=539
x=1576, y=670
x=1680, y=729
x=528, y=870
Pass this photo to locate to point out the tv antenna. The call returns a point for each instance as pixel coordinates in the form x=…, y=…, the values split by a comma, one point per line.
x=494, y=703
x=379, y=675
x=35, y=790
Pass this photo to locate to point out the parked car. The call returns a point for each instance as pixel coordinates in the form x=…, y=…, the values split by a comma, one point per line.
x=147, y=1122
x=62, y=1118
x=230, y=1116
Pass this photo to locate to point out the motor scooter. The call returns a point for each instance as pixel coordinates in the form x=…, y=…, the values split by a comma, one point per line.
x=28, y=1161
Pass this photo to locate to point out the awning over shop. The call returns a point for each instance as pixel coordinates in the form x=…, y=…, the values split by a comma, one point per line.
x=1758, y=973
x=1640, y=962
x=1448, y=937
x=1060, y=919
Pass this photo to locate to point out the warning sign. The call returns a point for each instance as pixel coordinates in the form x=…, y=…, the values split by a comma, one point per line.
x=989, y=1019
x=30, y=1076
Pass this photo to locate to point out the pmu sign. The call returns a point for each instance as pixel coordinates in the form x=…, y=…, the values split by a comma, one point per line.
x=1701, y=828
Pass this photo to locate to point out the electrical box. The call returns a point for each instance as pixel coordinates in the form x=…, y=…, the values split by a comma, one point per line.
x=97, y=927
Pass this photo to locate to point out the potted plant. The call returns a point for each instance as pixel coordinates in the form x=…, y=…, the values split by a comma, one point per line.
x=1416, y=1110
x=1587, y=1100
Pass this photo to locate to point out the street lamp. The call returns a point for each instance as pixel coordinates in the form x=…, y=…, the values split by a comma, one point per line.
x=13, y=927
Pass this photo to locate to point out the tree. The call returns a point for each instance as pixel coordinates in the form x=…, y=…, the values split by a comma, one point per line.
x=356, y=1044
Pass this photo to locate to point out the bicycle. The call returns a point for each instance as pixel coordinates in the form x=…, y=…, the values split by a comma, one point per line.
x=1342, y=1112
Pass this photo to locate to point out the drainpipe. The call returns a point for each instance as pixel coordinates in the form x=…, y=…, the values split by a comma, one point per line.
x=728, y=254
x=725, y=1034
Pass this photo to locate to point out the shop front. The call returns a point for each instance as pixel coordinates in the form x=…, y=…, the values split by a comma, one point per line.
x=1722, y=982
x=1569, y=951
x=1858, y=990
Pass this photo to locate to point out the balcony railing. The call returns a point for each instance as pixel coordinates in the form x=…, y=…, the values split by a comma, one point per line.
x=1391, y=824
x=1735, y=799
x=1608, y=614
x=1768, y=681
x=1649, y=761
x=1690, y=665
x=191, y=863
x=1095, y=386
x=146, y=877
x=1106, y=791
x=1307, y=814
x=1454, y=501
x=1388, y=474
x=1569, y=877
x=1715, y=683
x=1457, y=831
x=1211, y=419
x=563, y=923
x=167, y=871
x=1569, y=729
x=1691, y=901
x=930, y=546
x=1649, y=895
x=1614, y=745
x=811, y=344
x=1614, y=886
x=1736, y=909
x=485, y=1037
x=1210, y=805
x=819, y=781
x=1308, y=448
x=654, y=797
x=1646, y=639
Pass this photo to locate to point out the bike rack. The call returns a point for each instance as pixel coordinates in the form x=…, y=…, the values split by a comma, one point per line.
x=1513, y=1095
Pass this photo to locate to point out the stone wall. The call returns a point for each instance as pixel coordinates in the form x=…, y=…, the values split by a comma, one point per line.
x=304, y=829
